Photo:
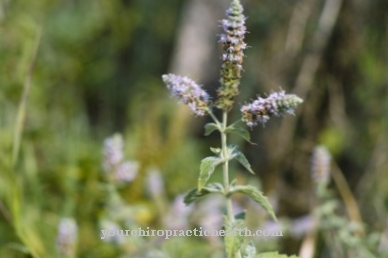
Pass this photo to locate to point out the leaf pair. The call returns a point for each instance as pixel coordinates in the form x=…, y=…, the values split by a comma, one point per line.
x=250, y=191
x=209, y=164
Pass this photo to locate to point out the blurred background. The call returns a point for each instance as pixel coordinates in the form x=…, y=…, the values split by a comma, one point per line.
x=73, y=73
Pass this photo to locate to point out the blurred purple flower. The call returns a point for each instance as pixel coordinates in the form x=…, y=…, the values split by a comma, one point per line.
x=114, y=166
x=155, y=184
x=178, y=216
x=127, y=171
x=67, y=236
x=112, y=152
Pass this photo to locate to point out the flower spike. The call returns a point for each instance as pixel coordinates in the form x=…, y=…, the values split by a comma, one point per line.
x=276, y=104
x=188, y=92
x=233, y=45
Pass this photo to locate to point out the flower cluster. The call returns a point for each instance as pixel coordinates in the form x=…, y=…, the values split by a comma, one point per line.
x=232, y=57
x=122, y=171
x=320, y=167
x=188, y=92
x=67, y=236
x=276, y=104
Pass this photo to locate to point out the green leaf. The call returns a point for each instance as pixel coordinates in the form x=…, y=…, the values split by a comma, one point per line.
x=195, y=195
x=210, y=127
x=233, y=242
x=215, y=150
x=274, y=255
x=239, y=131
x=255, y=195
x=243, y=160
x=207, y=168
x=250, y=251
x=240, y=215
x=231, y=150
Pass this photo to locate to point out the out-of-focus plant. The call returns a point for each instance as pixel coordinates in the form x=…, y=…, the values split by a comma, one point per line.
x=119, y=215
x=343, y=237
x=259, y=111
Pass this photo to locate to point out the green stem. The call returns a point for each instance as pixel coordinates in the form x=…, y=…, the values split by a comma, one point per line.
x=214, y=117
x=226, y=165
x=225, y=170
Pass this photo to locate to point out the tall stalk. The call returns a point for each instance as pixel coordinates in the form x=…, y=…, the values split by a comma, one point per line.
x=259, y=111
x=225, y=170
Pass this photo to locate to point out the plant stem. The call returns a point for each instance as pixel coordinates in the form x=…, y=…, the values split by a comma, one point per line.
x=213, y=117
x=225, y=170
x=226, y=165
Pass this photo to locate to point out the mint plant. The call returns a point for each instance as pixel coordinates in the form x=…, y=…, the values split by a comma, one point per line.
x=259, y=111
x=344, y=237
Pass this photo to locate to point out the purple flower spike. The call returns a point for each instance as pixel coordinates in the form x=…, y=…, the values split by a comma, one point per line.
x=276, y=104
x=188, y=92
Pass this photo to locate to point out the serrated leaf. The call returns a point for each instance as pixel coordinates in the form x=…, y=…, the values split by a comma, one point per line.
x=207, y=168
x=250, y=251
x=274, y=255
x=233, y=242
x=243, y=160
x=255, y=195
x=215, y=150
x=210, y=127
x=195, y=195
x=239, y=131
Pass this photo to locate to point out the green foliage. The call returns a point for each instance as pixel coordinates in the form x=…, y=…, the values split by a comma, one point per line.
x=238, y=130
x=196, y=194
x=250, y=251
x=94, y=76
x=211, y=127
x=274, y=255
x=208, y=165
x=243, y=160
x=255, y=195
x=233, y=240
